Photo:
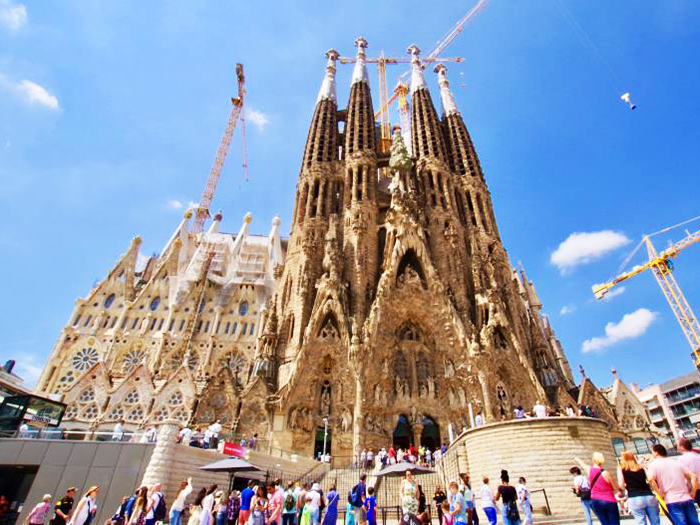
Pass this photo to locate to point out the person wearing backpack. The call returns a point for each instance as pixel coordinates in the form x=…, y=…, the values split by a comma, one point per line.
x=356, y=498
x=507, y=493
x=156, y=506
x=582, y=489
x=289, y=509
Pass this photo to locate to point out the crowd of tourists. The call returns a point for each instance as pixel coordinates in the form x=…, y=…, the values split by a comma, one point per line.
x=641, y=488
x=385, y=456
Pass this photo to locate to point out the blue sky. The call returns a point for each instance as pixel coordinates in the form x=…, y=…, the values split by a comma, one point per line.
x=112, y=111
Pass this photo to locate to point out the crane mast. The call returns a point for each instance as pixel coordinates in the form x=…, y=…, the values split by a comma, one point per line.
x=662, y=267
x=202, y=211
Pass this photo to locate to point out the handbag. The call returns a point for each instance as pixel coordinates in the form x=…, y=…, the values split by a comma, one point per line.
x=512, y=511
x=585, y=492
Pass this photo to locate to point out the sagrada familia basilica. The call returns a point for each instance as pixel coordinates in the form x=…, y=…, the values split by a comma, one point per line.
x=391, y=313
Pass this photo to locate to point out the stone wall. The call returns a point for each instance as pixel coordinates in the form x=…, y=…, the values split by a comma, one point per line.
x=541, y=450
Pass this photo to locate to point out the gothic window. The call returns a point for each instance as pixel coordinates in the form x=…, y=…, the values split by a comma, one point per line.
x=109, y=300
x=71, y=412
x=237, y=362
x=154, y=304
x=243, y=308
x=84, y=358
x=502, y=397
x=410, y=333
x=422, y=368
x=192, y=361
x=327, y=364
x=175, y=399
x=629, y=410
x=161, y=415
x=66, y=379
x=329, y=328
x=132, y=397
x=116, y=413
x=183, y=416
x=135, y=414
x=401, y=367
x=87, y=395
x=90, y=411
x=218, y=400
x=132, y=359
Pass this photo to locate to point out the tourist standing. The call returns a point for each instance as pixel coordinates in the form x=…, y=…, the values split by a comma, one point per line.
x=38, y=515
x=487, y=503
x=540, y=410
x=138, y=510
x=214, y=430
x=507, y=493
x=118, y=432
x=259, y=506
x=582, y=489
x=196, y=508
x=208, y=506
x=276, y=503
x=524, y=500
x=478, y=421
x=371, y=507
x=671, y=478
x=246, y=497
x=63, y=507
x=156, y=506
x=438, y=497
x=185, y=436
x=421, y=500
x=519, y=412
x=409, y=494
x=313, y=503
x=221, y=507
x=331, y=515
x=289, y=511
x=641, y=501
x=690, y=460
x=179, y=504
x=458, y=507
x=603, y=489
x=87, y=507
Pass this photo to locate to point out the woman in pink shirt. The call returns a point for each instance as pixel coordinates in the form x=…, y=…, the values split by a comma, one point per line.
x=603, y=489
x=39, y=513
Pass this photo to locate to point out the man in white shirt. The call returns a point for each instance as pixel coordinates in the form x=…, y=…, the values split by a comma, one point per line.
x=478, y=420
x=690, y=460
x=153, y=504
x=214, y=430
x=540, y=410
x=313, y=500
x=118, y=432
x=185, y=436
x=487, y=503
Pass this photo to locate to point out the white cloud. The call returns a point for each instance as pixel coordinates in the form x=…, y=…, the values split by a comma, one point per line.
x=12, y=16
x=258, y=118
x=631, y=325
x=568, y=309
x=31, y=92
x=614, y=293
x=175, y=204
x=27, y=369
x=586, y=247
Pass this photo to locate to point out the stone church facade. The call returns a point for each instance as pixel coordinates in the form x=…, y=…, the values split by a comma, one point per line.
x=397, y=315
x=171, y=337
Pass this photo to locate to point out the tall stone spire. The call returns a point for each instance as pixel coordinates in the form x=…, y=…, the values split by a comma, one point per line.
x=328, y=91
x=359, y=131
x=428, y=141
x=448, y=100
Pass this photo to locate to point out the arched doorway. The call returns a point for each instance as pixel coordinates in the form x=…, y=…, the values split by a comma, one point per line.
x=403, y=433
x=430, y=436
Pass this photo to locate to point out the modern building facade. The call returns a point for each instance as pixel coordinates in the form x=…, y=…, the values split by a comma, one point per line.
x=10, y=383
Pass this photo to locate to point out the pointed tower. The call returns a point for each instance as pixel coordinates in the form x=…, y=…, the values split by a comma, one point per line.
x=361, y=181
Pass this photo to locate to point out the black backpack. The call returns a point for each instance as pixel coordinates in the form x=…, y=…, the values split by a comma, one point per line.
x=289, y=502
x=160, y=510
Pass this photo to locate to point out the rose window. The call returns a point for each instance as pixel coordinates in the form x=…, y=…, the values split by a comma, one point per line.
x=162, y=414
x=173, y=363
x=132, y=398
x=87, y=395
x=181, y=415
x=85, y=358
x=192, y=362
x=175, y=399
x=132, y=359
x=116, y=414
x=237, y=362
x=90, y=412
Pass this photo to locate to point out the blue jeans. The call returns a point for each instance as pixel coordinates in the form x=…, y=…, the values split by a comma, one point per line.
x=608, y=513
x=504, y=516
x=175, y=516
x=491, y=515
x=683, y=513
x=587, y=506
x=314, y=516
x=645, y=510
x=288, y=518
x=220, y=518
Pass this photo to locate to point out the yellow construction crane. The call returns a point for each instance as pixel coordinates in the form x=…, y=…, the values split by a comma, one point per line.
x=661, y=265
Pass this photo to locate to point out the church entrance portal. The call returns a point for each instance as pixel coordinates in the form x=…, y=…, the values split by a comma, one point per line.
x=318, y=442
x=430, y=436
x=403, y=433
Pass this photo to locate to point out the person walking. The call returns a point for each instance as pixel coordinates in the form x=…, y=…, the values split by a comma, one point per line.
x=409, y=494
x=507, y=493
x=357, y=497
x=371, y=507
x=524, y=500
x=259, y=506
x=487, y=503
x=87, y=507
x=276, y=503
x=640, y=499
x=233, y=509
x=38, y=515
x=221, y=507
x=156, y=505
x=332, y=499
x=63, y=508
x=458, y=507
x=582, y=489
x=438, y=497
x=690, y=460
x=289, y=511
x=313, y=504
x=670, y=479
x=196, y=508
x=603, y=489
x=179, y=504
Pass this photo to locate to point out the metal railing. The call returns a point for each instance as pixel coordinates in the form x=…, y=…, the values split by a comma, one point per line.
x=62, y=434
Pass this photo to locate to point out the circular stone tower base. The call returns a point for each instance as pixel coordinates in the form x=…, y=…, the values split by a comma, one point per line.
x=540, y=450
